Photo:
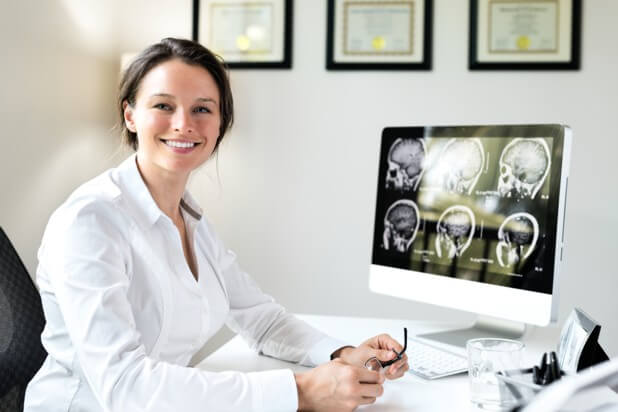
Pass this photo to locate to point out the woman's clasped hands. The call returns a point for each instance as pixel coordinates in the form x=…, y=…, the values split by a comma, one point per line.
x=345, y=383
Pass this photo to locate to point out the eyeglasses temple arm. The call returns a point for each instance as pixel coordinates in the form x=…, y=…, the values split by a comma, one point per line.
x=405, y=341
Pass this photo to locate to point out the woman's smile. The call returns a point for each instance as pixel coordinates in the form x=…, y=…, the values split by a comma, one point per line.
x=181, y=146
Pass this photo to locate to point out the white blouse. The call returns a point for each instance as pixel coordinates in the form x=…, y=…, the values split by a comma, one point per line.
x=125, y=314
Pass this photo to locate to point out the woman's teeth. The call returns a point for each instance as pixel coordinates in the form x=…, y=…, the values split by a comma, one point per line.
x=183, y=145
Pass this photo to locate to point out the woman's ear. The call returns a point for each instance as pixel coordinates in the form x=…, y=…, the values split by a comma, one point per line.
x=128, y=116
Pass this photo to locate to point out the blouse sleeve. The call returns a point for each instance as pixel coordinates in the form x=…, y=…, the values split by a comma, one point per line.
x=84, y=258
x=264, y=324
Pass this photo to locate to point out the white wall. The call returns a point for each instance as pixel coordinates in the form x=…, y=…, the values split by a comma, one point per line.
x=295, y=188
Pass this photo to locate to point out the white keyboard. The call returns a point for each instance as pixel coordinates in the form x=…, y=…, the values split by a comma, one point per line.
x=431, y=362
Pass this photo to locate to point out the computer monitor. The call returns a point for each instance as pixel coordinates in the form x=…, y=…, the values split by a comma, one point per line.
x=472, y=218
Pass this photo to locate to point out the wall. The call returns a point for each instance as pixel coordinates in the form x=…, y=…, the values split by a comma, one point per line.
x=293, y=189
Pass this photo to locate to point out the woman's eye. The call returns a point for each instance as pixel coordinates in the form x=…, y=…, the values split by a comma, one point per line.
x=202, y=109
x=162, y=106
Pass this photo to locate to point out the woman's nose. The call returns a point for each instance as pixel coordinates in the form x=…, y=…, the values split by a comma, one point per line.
x=182, y=122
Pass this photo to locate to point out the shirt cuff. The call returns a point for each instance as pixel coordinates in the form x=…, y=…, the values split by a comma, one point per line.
x=277, y=388
x=321, y=351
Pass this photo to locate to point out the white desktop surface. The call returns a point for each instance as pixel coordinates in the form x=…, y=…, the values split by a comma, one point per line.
x=409, y=393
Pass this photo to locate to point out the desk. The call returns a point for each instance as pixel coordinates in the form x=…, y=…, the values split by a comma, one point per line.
x=410, y=393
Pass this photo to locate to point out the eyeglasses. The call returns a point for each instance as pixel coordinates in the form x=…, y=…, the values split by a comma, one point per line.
x=375, y=364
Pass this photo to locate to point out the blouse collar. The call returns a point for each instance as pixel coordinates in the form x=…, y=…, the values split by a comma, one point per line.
x=135, y=189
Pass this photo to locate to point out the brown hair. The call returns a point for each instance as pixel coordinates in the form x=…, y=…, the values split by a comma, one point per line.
x=189, y=52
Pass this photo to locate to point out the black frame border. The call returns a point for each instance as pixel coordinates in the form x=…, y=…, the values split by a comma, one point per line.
x=286, y=63
x=427, y=46
x=573, y=64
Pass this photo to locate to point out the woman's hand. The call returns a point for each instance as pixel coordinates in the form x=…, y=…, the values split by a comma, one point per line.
x=381, y=347
x=336, y=386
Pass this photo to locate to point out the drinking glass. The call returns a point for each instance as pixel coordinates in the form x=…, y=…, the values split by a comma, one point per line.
x=486, y=357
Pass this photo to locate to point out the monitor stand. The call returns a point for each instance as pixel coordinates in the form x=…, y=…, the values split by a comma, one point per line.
x=483, y=327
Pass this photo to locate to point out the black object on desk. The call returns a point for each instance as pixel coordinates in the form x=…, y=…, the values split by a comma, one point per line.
x=579, y=347
x=548, y=371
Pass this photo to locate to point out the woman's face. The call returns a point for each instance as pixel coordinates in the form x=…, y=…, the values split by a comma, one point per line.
x=176, y=117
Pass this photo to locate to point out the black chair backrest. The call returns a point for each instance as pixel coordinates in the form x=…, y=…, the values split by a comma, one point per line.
x=21, y=323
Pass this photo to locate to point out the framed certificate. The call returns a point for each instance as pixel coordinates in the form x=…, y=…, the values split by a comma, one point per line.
x=247, y=34
x=525, y=34
x=379, y=35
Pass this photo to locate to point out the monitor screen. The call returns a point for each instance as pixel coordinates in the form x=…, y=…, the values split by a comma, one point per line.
x=475, y=203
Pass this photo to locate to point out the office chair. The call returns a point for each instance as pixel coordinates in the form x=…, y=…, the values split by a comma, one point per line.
x=21, y=324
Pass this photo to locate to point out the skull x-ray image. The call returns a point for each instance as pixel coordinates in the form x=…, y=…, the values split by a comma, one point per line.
x=455, y=230
x=524, y=165
x=517, y=237
x=400, y=225
x=460, y=164
x=405, y=164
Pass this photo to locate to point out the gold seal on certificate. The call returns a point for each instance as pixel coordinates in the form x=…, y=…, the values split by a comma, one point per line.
x=246, y=33
x=379, y=35
x=525, y=34
x=378, y=42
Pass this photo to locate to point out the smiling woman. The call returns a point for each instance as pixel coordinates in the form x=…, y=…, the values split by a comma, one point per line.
x=188, y=52
x=175, y=117
x=134, y=280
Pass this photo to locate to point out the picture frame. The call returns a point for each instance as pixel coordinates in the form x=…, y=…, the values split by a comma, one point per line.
x=525, y=34
x=246, y=34
x=379, y=35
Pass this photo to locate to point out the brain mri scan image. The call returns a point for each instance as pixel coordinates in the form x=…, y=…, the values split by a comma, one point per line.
x=405, y=164
x=524, y=165
x=455, y=230
x=460, y=164
x=517, y=237
x=400, y=225
x=481, y=203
